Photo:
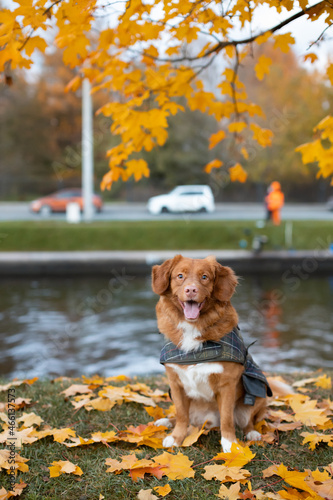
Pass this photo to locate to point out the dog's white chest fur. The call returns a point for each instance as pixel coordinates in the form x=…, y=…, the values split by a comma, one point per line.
x=190, y=338
x=194, y=379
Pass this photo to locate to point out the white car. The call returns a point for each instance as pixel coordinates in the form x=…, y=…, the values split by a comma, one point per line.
x=183, y=199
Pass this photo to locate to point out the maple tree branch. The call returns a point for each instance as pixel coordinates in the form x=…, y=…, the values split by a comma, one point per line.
x=223, y=44
x=320, y=36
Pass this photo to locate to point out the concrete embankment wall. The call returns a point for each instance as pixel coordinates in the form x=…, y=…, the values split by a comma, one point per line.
x=57, y=264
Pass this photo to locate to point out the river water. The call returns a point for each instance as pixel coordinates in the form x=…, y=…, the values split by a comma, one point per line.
x=53, y=327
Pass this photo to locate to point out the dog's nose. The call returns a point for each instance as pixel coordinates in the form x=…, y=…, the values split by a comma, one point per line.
x=191, y=291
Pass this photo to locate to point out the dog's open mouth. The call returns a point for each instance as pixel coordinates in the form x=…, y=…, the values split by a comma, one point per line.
x=191, y=309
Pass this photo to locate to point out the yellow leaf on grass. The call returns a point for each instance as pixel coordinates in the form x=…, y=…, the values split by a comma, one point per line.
x=156, y=412
x=213, y=164
x=29, y=419
x=60, y=435
x=324, y=382
x=216, y=138
x=306, y=411
x=262, y=66
x=315, y=438
x=76, y=389
x=194, y=436
x=163, y=490
x=19, y=462
x=237, y=173
x=126, y=463
x=16, y=491
x=79, y=441
x=175, y=466
x=101, y=404
x=64, y=467
x=231, y=493
x=146, y=495
x=225, y=474
x=238, y=457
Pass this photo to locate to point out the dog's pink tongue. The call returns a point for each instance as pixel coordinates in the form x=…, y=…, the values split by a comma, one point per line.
x=191, y=310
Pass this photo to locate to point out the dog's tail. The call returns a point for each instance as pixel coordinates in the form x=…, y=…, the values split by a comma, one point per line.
x=279, y=387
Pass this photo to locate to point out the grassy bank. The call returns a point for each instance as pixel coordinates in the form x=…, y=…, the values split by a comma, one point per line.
x=157, y=235
x=283, y=444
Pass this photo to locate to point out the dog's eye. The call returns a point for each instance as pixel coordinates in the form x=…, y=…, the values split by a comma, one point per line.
x=204, y=277
x=180, y=276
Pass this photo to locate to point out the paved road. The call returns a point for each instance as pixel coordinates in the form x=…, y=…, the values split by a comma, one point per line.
x=138, y=211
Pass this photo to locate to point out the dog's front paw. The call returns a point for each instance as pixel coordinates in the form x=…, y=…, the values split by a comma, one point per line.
x=169, y=442
x=226, y=445
x=165, y=422
x=253, y=436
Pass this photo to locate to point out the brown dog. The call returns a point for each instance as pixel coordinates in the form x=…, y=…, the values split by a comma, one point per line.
x=195, y=315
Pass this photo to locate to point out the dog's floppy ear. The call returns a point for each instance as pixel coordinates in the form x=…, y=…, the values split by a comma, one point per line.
x=225, y=281
x=161, y=275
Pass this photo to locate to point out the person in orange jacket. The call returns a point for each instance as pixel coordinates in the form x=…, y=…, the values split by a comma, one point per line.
x=274, y=202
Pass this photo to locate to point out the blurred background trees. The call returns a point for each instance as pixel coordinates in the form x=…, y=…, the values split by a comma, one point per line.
x=40, y=140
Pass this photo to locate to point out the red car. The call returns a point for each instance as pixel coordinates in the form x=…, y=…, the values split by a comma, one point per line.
x=57, y=202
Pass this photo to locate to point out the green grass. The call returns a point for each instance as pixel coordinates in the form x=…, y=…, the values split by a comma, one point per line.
x=157, y=235
x=59, y=412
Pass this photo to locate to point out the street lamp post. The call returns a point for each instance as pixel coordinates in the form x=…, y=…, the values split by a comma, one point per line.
x=87, y=152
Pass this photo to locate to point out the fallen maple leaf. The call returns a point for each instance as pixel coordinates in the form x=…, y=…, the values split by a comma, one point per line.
x=16, y=383
x=194, y=435
x=324, y=382
x=24, y=436
x=29, y=419
x=175, y=466
x=225, y=474
x=76, y=389
x=315, y=438
x=19, y=462
x=64, y=467
x=163, y=490
x=238, y=456
x=231, y=493
x=16, y=491
x=125, y=464
x=79, y=441
x=148, y=435
x=146, y=495
x=306, y=411
x=107, y=437
x=142, y=467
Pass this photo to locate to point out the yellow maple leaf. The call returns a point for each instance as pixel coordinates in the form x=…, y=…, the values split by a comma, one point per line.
x=225, y=474
x=175, y=466
x=64, y=467
x=237, y=173
x=194, y=436
x=237, y=457
x=237, y=127
x=19, y=462
x=315, y=438
x=29, y=419
x=263, y=136
x=262, y=66
x=306, y=411
x=146, y=495
x=310, y=57
x=216, y=138
x=231, y=493
x=325, y=382
x=126, y=463
x=283, y=42
x=76, y=389
x=163, y=490
x=60, y=435
x=213, y=164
